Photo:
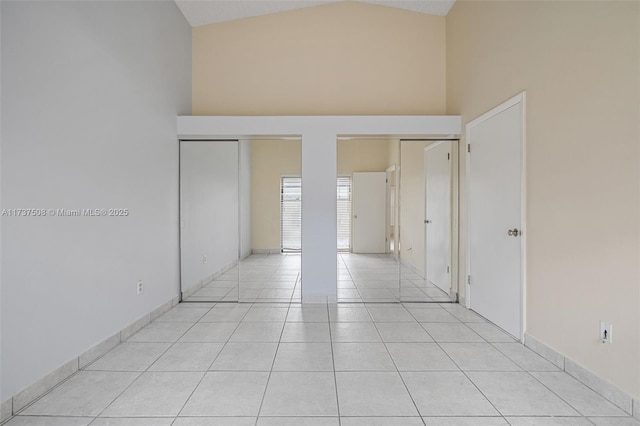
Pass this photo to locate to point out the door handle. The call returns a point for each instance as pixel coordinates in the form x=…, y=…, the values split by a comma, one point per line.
x=427, y=221
x=513, y=232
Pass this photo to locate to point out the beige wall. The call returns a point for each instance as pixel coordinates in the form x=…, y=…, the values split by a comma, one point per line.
x=343, y=58
x=362, y=156
x=578, y=62
x=270, y=160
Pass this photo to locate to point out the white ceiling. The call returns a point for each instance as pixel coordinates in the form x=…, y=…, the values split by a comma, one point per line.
x=202, y=12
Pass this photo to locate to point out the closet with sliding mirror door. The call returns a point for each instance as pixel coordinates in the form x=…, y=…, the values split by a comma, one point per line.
x=210, y=210
x=270, y=269
x=368, y=270
x=428, y=200
x=240, y=220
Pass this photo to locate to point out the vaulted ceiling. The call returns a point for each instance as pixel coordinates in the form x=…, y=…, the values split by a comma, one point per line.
x=202, y=12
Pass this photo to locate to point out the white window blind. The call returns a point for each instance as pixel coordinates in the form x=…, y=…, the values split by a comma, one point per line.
x=344, y=213
x=291, y=214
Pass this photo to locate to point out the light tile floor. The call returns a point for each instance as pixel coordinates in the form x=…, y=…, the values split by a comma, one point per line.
x=346, y=364
x=276, y=278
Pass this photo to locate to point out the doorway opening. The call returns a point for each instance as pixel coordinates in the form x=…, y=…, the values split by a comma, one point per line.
x=290, y=214
x=344, y=213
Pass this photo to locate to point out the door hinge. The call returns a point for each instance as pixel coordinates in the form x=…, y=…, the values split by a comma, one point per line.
x=469, y=279
x=468, y=147
x=448, y=156
x=386, y=180
x=447, y=269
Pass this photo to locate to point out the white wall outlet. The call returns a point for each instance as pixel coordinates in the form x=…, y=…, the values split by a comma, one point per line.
x=204, y=258
x=140, y=287
x=605, y=332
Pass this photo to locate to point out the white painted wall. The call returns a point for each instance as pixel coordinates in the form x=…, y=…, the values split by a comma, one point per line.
x=209, y=208
x=319, y=217
x=90, y=91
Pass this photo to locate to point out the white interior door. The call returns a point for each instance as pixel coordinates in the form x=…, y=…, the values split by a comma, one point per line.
x=495, y=216
x=437, y=165
x=369, y=218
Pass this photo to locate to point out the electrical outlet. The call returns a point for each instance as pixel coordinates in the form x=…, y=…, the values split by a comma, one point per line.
x=204, y=259
x=605, y=332
x=140, y=287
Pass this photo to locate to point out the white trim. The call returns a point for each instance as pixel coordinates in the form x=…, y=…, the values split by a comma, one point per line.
x=239, y=127
x=467, y=286
x=186, y=293
x=523, y=216
x=608, y=391
x=6, y=410
x=520, y=98
x=266, y=251
x=436, y=143
x=19, y=401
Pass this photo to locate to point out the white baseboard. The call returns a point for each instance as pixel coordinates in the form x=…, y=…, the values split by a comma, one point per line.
x=42, y=386
x=31, y=393
x=603, y=388
x=453, y=296
x=266, y=251
x=544, y=351
x=412, y=268
x=207, y=280
x=6, y=410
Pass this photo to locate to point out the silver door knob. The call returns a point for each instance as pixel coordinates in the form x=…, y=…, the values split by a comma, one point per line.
x=513, y=232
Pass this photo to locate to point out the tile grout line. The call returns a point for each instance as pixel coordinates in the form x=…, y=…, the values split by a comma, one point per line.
x=522, y=370
x=211, y=364
x=144, y=371
x=80, y=369
x=84, y=369
x=396, y=366
x=564, y=400
x=352, y=279
x=465, y=374
x=333, y=362
x=554, y=371
x=264, y=394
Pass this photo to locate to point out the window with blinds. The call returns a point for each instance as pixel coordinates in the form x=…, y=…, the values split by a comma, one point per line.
x=291, y=214
x=344, y=213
